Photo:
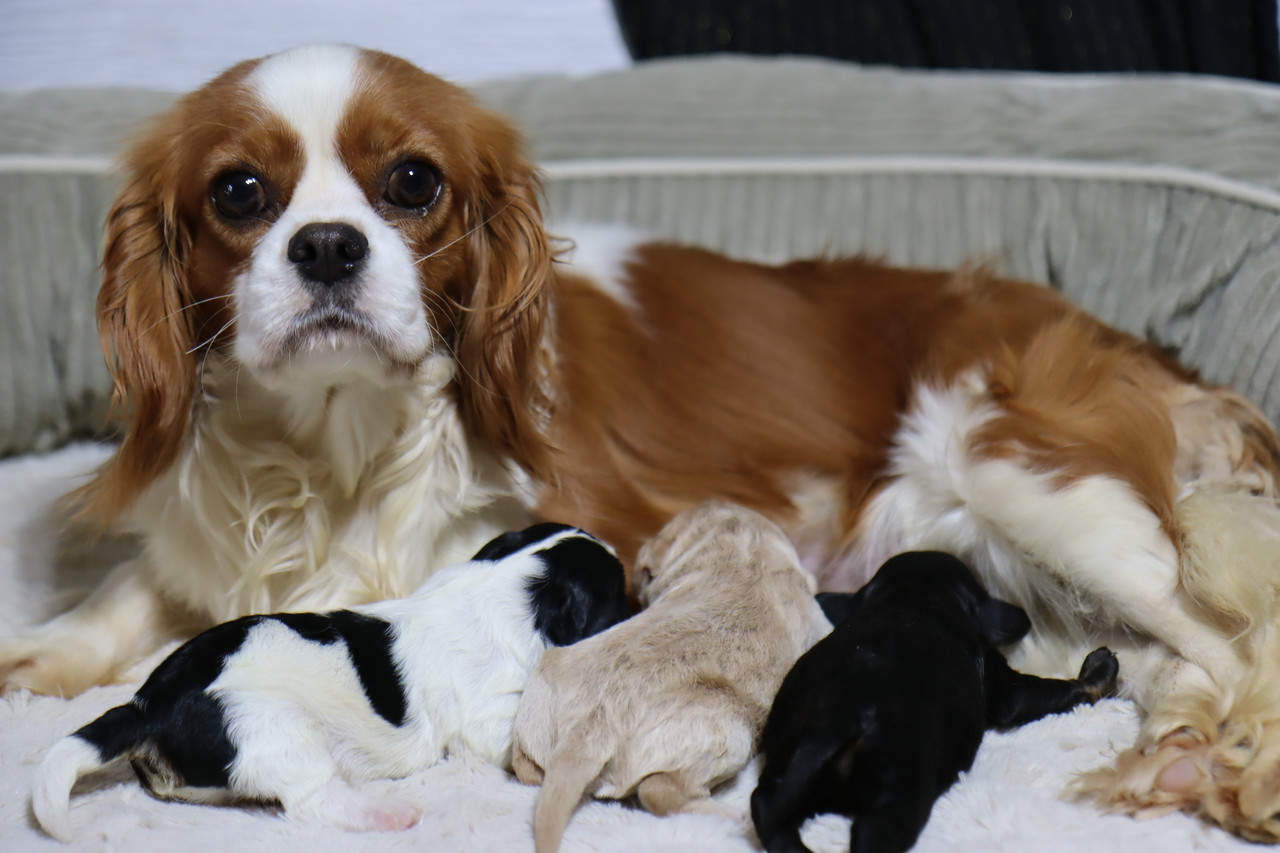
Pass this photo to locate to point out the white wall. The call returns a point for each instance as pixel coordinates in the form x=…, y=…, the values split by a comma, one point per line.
x=178, y=44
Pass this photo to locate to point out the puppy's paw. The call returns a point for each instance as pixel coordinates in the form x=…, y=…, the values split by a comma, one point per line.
x=528, y=771
x=389, y=815
x=340, y=805
x=1098, y=673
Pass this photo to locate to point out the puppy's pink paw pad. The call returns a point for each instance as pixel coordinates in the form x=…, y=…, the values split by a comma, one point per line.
x=393, y=817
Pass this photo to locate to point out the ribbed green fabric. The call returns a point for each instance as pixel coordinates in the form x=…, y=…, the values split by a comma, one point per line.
x=737, y=106
x=773, y=159
x=53, y=383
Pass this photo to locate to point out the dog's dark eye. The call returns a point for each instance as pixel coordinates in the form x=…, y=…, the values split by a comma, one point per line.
x=413, y=185
x=239, y=195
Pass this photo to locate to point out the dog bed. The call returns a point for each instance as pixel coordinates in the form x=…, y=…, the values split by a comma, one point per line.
x=1152, y=201
x=1010, y=800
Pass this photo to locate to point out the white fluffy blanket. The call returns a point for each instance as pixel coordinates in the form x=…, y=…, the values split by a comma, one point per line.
x=1009, y=801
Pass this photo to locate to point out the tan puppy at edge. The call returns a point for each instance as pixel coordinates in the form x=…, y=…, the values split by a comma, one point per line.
x=670, y=703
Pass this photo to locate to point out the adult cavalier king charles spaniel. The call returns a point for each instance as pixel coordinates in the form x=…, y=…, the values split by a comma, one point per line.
x=348, y=354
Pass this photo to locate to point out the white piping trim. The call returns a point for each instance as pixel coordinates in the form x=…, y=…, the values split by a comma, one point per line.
x=1182, y=80
x=635, y=167
x=40, y=163
x=1070, y=169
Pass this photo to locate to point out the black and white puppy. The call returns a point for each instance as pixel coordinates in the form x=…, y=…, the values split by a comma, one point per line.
x=880, y=717
x=291, y=708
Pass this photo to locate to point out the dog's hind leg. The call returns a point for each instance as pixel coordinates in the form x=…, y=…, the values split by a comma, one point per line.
x=339, y=804
x=669, y=793
x=676, y=792
x=785, y=840
x=774, y=816
x=528, y=771
x=1104, y=492
x=783, y=800
x=1058, y=486
x=1208, y=744
x=1169, y=767
x=1094, y=547
x=1014, y=699
x=284, y=755
x=890, y=826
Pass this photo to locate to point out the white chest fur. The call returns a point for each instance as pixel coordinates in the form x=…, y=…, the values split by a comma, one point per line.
x=319, y=497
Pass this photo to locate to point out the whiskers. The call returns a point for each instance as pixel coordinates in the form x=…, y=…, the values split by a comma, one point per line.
x=208, y=342
x=465, y=234
x=188, y=307
x=520, y=299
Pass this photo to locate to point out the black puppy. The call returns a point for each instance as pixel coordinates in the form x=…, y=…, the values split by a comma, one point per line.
x=879, y=719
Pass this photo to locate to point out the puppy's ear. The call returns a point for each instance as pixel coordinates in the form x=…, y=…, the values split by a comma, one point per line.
x=838, y=606
x=147, y=335
x=1002, y=623
x=581, y=593
x=501, y=346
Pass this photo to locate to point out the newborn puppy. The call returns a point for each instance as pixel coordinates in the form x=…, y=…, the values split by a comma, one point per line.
x=669, y=703
x=878, y=719
x=291, y=707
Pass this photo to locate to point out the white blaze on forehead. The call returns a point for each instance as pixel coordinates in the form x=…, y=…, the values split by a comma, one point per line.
x=309, y=88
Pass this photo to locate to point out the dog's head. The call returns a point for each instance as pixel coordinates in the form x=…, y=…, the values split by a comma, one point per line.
x=721, y=538
x=323, y=216
x=930, y=578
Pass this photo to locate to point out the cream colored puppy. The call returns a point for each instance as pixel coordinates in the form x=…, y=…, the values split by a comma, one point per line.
x=670, y=703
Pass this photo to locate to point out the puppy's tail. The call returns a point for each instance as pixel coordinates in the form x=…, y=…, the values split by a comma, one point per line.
x=91, y=748
x=576, y=763
x=779, y=802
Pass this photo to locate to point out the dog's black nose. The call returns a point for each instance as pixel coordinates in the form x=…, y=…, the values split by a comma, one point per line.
x=328, y=252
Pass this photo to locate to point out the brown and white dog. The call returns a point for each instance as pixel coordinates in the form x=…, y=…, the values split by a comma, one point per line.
x=347, y=356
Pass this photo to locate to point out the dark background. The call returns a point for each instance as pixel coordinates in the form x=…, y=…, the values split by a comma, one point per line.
x=1237, y=38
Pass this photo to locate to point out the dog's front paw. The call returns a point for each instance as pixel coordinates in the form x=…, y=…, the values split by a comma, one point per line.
x=44, y=665
x=1098, y=673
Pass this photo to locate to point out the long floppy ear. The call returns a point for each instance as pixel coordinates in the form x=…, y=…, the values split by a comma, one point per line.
x=147, y=336
x=1002, y=623
x=838, y=606
x=501, y=347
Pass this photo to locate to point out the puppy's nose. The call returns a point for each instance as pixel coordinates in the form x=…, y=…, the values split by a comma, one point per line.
x=328, y=252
